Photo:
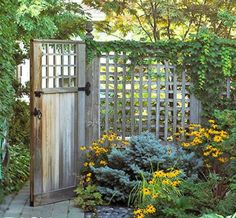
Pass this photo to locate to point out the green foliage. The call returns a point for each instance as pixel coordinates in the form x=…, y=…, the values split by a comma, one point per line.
x=49, y=19
x=227, y=119
x=19, y=125
x=207, y=59
x=212, y=215
x=155, y=20
x=145, y=154
x=17, y=171
x=7, y=39
x=88, y=197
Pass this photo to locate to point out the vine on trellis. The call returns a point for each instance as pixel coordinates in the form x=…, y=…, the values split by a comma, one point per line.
x=207, y=59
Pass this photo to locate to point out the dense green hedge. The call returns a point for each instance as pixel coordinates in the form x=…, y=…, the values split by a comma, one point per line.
x=7, y=64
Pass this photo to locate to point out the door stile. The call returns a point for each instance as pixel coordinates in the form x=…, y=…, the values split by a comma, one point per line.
x=36, y=131
x=81, y=66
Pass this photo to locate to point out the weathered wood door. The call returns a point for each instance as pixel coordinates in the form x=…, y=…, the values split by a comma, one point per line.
x=57, y=118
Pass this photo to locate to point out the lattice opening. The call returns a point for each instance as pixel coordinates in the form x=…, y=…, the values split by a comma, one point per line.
x=142, y=98
x=59, y=65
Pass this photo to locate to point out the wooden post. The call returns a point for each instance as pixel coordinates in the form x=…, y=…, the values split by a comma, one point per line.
x=92, y=103
x=35, y=135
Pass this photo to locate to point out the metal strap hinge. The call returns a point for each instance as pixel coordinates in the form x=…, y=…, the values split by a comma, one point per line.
x=86, y=89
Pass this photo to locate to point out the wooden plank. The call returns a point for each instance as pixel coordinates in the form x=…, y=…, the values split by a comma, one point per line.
x=140, y=129
x=195, y=110
x=54, y=196
x=47, y=68
x=81, y=62
x=132, y=102
x=107, y=95
x=115, y=97
x=67, y=134
x=158, y=110
x=60, y=90
x=92, y=103
x=35, y=125
x=62, y=65
x=55, y=80
x=124, y=100
x=175, y=102
x=183, y=100
x=149, y=102
x=50, y=142
x=166, y=99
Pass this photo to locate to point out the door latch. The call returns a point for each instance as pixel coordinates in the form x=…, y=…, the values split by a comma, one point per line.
x=37, y=113
x=86, y=89
x=38, y=93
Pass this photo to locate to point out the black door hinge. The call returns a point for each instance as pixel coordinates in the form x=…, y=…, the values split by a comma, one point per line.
x=38, y=93
x=86, y=89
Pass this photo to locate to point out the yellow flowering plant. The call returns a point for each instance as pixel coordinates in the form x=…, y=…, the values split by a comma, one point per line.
x=96, y=153
x=88, y=196
x=205, y=141
x=162, y=187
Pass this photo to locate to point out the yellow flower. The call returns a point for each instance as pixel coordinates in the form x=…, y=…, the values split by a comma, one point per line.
x=138, y=211
x=166, y=182
x=146, y=191
x=150, y=209
x=88, y=179
x=206, y=153
x=214, y=126
x=185, y=144
x=125, y=142
x=91, y=164
x=224, y=134
x=196, y=141
x=151, y=182
x=175, y=183
x=218, y=139
x=159, y=174
x=82, y=148
x=103, y=162
x=222, y=159
x=154, y=196
x=89, y=174
x=173, y=174
x=207, y=135
x=85, y=164
x=211, y=121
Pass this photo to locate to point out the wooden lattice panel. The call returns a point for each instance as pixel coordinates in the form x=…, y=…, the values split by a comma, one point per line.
x=59, y=65
x=142, y=98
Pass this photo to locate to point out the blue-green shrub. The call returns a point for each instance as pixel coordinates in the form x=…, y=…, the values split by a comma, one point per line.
x=145, y=154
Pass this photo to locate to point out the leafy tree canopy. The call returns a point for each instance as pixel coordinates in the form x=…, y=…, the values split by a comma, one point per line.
x=49, y=19
x=23, y=20
x=153, y=20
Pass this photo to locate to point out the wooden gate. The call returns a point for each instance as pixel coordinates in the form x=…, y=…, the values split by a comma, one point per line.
x=58, y=118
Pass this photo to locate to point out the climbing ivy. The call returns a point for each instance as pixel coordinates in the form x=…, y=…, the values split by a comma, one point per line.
x=207, y=59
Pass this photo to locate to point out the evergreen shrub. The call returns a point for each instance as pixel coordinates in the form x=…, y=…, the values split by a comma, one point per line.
x=145, y=154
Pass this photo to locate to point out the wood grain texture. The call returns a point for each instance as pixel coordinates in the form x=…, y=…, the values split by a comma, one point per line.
x=35, y=135
x=55, y=137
